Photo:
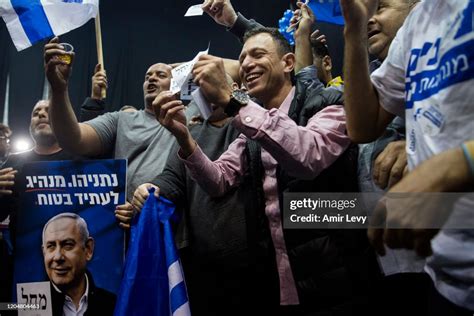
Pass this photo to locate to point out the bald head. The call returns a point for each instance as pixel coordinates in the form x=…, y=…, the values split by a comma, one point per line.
x=157, y=79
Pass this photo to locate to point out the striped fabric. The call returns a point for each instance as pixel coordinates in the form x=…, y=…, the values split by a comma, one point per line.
x=31, y=21
x=179, y=304
x=153, y=282
x=328, y=11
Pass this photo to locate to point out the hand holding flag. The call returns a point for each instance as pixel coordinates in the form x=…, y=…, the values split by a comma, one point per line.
x=153, y=281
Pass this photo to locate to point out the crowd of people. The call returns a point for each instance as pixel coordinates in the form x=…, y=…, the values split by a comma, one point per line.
x=400, y=122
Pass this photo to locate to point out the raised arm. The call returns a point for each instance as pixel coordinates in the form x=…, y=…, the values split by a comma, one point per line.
x=366, y=119
x=95, y=105
x=213, y=177
x=302, y=151
x=224, y=14
x=303, y=52
x=75, y=137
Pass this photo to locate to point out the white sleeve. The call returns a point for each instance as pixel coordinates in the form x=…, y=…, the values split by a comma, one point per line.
x=389, y=79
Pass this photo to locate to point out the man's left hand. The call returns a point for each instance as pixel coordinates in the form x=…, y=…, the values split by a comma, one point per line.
x=7, y=181
x=391, y=165
x=124, y=214
x=420, y=215
x=209, y=74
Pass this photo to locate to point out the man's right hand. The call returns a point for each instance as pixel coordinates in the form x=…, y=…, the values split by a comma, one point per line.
x=357, y=13
x=221, y=11
x=57, y=71
x=170, y=113
x=7, y=181
x=317, y=36
x=307, y=19
x=141, y=194
x=99, y=82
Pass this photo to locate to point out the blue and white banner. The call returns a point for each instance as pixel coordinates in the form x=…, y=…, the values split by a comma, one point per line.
x=30, y=21
x=153, y=280
x=328, y=11
x=91, y=189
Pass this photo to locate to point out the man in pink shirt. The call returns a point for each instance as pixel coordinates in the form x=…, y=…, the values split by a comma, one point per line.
x=297, y=135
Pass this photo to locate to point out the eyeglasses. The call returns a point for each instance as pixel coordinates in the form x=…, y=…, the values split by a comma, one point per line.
x=5, y=139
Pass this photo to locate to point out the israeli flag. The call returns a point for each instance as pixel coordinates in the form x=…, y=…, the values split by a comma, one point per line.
x=179, y=304
x=153, y=280
x=328, y=11
x=30, y=21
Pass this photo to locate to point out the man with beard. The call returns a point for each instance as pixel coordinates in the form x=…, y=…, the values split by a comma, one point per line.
x=46, y=149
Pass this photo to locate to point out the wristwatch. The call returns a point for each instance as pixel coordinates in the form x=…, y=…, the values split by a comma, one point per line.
x=238, y=99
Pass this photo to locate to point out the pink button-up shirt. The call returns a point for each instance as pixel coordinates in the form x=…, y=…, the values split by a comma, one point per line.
x=302, y=151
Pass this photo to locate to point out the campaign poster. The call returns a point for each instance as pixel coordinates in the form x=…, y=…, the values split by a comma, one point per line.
x=90, y=189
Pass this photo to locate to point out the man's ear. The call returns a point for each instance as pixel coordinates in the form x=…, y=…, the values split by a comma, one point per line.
x=327, y=63
x=288, y=61
x=89, y=248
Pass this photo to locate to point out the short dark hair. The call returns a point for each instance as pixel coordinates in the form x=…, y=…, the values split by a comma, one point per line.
x=283, y=45
x=319, y=49
x=5, y=130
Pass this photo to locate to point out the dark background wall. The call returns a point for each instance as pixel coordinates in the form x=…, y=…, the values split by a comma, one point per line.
x=135, y=34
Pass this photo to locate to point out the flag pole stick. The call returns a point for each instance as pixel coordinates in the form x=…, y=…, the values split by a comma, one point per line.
x=100, y=54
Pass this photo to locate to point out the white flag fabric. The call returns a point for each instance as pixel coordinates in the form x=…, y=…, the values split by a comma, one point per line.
x=30, y=21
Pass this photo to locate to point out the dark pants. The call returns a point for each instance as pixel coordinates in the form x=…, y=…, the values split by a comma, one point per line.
x=413, y=294
x=403, y=294
x=6, y=273
x=440, y=306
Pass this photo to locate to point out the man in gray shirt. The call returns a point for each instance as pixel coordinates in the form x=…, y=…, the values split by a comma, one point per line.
x=135, y=136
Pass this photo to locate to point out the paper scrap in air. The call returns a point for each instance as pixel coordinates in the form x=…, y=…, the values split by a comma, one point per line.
x=183, y=73
x=194, y=10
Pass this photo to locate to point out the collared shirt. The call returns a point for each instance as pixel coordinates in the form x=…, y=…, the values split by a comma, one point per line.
x=302, y=151
x=69, y=309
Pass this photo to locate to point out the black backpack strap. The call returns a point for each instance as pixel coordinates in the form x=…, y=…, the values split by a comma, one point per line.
x=258, y=234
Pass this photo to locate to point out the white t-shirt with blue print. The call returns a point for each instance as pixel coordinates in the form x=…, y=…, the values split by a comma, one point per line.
x=428, y=78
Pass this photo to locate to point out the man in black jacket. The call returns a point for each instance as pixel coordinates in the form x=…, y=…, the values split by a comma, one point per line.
x=298, y=134
x=67, y=247
x=220, y=267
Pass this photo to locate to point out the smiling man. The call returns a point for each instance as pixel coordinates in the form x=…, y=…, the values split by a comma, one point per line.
x=67, y=247
x=295, y=142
